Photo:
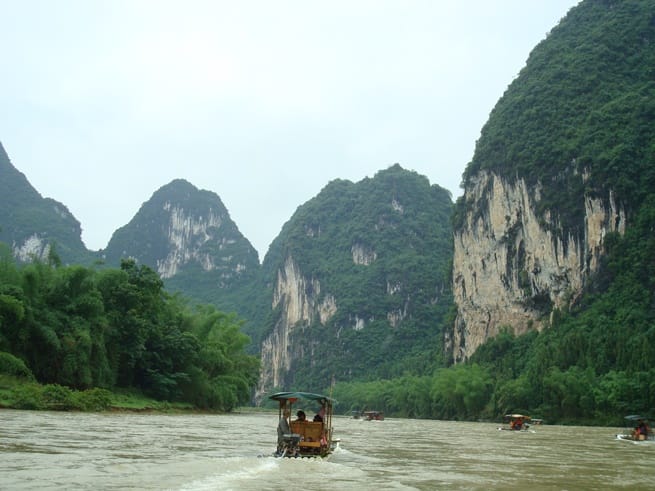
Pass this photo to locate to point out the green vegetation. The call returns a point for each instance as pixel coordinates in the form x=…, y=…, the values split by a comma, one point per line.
x=222, y=268
x=458, y=393
x=25, y=214
x=592, y=366
x=398, y=226
x=166, y=217
x=580, y=121
x=20, y=393
x=579, y=117
x=78, y=331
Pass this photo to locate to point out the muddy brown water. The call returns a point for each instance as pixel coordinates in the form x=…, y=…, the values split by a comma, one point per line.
x=80, y=451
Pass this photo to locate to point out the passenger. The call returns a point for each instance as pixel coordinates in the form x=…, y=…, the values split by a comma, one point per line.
x=320, y=415
x=283, y=427
x=301, y=416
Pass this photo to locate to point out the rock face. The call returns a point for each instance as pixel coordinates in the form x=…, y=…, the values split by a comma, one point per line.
x=564, y=159
x=32, y=247
x=186, y=235
x=297, y=297
x=509, y=269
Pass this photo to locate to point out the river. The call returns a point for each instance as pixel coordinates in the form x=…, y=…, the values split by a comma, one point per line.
x=105, y=451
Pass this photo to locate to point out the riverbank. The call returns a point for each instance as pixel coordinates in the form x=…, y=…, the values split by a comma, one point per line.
x=16, y=393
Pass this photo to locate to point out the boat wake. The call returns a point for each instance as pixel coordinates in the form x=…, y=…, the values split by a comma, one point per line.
x=626, y=438
x=343, y=455
x=235, y=473
x=515, y=431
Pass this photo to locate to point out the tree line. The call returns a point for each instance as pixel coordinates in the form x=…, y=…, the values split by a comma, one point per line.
x=117, y=328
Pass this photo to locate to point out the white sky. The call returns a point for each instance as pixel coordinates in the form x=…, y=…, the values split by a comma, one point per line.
x=102, y=102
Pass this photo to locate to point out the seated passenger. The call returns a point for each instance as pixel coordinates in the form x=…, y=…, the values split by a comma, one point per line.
x=320, y=415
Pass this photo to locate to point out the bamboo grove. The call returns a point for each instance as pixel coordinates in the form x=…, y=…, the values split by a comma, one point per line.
x=85, y=328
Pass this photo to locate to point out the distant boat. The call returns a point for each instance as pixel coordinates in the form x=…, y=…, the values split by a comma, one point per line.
x=307, y=438
x=637, y=430
x=516, y=422
x=373, y=415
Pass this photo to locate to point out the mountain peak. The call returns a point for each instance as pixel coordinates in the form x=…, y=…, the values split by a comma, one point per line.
x=30, y=224
x=183, y=228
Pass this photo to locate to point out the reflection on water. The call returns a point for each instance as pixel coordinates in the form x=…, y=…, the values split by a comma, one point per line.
x=48, y=450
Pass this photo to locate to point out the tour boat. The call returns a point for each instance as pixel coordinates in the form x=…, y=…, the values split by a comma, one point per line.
x=306, y=438
x=373, y=415
x=516, y=422
x=637, y=430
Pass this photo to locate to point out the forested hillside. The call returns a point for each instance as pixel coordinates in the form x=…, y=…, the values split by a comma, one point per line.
x=577, y=124
x=33, y=225
x=579, y=117
x=369, y=262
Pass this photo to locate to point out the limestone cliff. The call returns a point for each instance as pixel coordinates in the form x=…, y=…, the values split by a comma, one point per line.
x=509, y=269
x=297, y=298
x=32, y=247
x=563, y=160
x=187, y=233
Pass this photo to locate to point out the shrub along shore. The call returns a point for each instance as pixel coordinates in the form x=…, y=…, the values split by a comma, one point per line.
x=18, y=393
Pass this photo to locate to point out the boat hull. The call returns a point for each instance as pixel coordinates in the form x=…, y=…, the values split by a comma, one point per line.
x=295, y=452
x=629, y=438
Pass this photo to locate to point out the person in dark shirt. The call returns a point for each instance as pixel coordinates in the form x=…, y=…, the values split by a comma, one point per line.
x=283, y=427
x=320, y=415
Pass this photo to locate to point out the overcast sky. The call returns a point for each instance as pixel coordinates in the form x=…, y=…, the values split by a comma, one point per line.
x=102, y=102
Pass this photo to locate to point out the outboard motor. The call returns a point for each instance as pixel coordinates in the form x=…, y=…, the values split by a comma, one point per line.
x=290, y=445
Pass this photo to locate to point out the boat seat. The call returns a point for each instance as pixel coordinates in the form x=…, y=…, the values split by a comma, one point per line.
x=310, y=444
x=311, y=431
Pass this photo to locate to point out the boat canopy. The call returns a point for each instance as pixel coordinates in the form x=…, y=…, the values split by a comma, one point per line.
x=635, y=417
x=285, y=396
x=517, y=416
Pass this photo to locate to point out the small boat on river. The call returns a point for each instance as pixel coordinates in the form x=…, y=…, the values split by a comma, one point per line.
x=302, y=438
x=373, y=415
x=637, y=430
x=516, y=422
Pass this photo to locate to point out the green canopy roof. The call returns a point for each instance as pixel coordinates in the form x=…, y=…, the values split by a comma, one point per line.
x=283, y=396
